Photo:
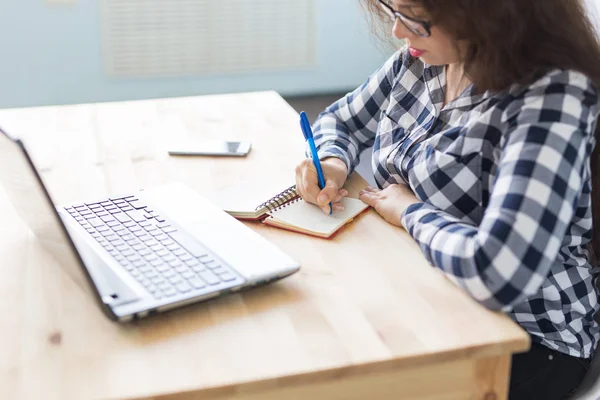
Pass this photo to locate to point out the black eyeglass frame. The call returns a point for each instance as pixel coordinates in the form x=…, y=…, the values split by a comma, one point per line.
x=398, y=15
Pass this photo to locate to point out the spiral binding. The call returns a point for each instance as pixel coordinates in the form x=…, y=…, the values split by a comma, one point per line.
x=280, y=199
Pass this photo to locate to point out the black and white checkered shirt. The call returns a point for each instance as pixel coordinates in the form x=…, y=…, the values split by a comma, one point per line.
x=504, y=180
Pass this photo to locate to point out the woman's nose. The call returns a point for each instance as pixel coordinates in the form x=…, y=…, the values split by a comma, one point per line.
x=400, y=31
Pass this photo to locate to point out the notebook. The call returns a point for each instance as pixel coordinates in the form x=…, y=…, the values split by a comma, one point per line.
x=287, y=210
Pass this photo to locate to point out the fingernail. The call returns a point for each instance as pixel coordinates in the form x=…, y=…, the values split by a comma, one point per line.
x=344, y=192
x=322, y=199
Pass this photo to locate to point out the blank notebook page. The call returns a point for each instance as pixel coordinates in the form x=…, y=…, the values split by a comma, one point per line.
x=309, y=217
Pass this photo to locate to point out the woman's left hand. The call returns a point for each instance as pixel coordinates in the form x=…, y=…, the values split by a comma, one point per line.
x=390, y=202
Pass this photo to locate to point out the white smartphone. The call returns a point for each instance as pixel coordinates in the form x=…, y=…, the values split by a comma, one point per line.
x=211, y=148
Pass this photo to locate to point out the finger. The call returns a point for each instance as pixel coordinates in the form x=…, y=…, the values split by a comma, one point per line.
x=371, y=189
x=328, y=193
x=338, y=207
x=367, y=198
x=343, y=192
x=310, y=185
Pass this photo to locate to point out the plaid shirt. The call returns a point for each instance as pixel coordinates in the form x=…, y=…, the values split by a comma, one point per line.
x=504, y=184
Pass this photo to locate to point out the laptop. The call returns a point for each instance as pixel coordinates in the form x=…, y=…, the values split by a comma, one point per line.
x=145, y=252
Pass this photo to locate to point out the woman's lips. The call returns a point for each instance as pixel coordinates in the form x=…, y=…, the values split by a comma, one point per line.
x=416, y=52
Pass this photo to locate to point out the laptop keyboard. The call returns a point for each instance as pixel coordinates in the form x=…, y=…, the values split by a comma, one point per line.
x=161, y=258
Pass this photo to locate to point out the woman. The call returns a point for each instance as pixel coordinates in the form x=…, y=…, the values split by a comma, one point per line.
x=483, y=132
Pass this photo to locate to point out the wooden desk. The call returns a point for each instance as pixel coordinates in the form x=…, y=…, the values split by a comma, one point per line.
x=366, y=318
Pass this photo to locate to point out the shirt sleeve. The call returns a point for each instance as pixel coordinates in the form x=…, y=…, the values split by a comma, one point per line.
x=541, y=170
x=349, y=126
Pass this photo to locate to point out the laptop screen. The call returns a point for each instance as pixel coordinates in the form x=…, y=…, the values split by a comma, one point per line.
x=25, y=190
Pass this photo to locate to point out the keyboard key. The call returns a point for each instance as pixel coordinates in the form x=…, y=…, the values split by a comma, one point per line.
x=164, y=285
x=157, y=232
x=135, y=228
x=145, y=223
x=174, y=263
x=220, y=271
x=128, y=252
x=162, y=252
x=142, y=235
x=128, y=237
x=111, y=207
x=107, y=218
x=151, y=274
x=192, y=262
x=95, y=222
x=163, y=268
x=168, y=274
x=111, y=238
x=96, y=235
x=191, y=245
x=102, y=228
x=122, y=232
x=172, y=247
x=145, y=282
x=127, y=208
x=169, y=230
x=188, y=274
x=145, y=269
x=157, y=280
x=185, y=257
x=121, y=247
x=175, y=279
x=136, y=216
x=106, y=204
x=151, y=242
x=209, y=277
x=133, y=257
x=102, y=213
x=161, y=237
x=136, y=274
x=130, y=224
x=227, y=277
x=118, y=242
x=145, y=252
x=183, y=287
x=137, y=204
x=159, y=219
x=213, y=265
x=169, y=257
x=170, y=292
x=181, y=269
x=133, y=242
x=163, y=225
x=197, y=283
x=122, y=217
x=150, y=256
x=138, y=247
x=114, y=211
x=157, y=262
x=179, y=252
x=139, y=263
x=198, y=268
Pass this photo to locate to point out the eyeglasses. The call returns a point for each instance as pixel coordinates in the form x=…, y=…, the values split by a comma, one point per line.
x=419, y=28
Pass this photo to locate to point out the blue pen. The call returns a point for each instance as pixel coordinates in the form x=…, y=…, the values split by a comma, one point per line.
x=308, y=135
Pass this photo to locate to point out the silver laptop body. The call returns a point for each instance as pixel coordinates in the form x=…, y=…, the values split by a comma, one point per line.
x=145, y=252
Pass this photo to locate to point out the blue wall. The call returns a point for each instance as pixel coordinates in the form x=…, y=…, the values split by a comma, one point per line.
x=51, y=54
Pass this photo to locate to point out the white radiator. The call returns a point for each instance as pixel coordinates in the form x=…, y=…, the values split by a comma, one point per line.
x=200, y=37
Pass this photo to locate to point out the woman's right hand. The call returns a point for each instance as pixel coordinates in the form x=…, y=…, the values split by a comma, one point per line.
x=307, y=183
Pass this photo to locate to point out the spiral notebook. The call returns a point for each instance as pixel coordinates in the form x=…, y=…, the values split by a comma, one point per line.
x=287, y=210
